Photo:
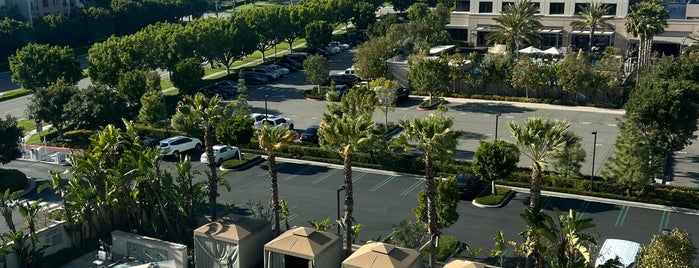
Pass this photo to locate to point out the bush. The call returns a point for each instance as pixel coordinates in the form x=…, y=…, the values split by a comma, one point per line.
x=436, y=101
x=448, y=246
x=236, y=163
x=315, y=95
x=145, y=131
x=14, y=94
x=485, y=198
x=12, y=179
x=77, y=138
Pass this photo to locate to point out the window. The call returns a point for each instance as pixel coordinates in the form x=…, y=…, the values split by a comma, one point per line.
x=538, y=7
x=579, y=7
x=557, y=8
x=505, y=5
x=45, y=3
x=612, y=9
x=485, y=7
x=463, y=5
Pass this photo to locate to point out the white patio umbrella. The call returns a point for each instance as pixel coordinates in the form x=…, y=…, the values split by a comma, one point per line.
x=530, y=50
x=553, y=51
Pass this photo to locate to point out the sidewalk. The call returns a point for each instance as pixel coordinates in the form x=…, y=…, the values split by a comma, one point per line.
x=540, y=106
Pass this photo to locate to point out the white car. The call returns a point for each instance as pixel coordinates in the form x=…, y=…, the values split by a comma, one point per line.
x=276, y=68
x=222, y=153
x=274, y=121
x=257, y=118
x=174, y=146
x=342, y=46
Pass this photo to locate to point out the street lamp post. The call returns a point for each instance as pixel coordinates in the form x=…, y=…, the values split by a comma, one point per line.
x=594, y=151
x=497, y=119
x=339, y=189
x=266, y=96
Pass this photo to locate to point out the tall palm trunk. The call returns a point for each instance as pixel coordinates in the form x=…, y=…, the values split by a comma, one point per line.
x=274, y=202
x=431, y=210
x=349, y=204
x=535, y=191
x=592, y=35
x=213, y=179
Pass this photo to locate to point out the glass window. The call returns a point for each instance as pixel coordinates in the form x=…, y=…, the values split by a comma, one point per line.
x=579, y=7
x=505, y=5
x=557, y=8
x=485, y=7
x=45, y=3
x=463, y=5
x=612, y=9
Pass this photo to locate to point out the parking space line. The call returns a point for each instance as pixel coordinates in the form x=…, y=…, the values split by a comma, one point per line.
x=664, y=221
x=290, y=177
x=583, y=208
x=412, y=187
x=327, y=175
x=546, y=202
x=382, y=183
x=575, y=118
x=606, y=156
x=356, y=178
x=601, y=118
x=553, y=114
x=622, y=216
x=266, y=172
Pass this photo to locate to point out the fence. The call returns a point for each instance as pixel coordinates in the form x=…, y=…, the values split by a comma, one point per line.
x=48, y=154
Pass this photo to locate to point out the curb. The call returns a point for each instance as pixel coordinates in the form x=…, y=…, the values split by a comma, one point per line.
x=31, y=183
x=335, y=166
x=244, y=167
x=502, y=202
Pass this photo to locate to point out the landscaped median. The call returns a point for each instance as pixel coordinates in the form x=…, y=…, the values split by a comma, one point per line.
x=14, y=94
x=248, y=160
x=487, y=200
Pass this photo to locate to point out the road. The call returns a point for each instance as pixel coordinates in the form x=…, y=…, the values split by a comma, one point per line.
x=383, y=199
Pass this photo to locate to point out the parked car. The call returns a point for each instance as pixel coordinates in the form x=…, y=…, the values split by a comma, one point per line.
x=227, y=83
x=333, y=50
x=310, y=134
x=342, y=46
x=151, y=142
x=290, y=64
x=298, y=56
x=174, y=146
x=283, y=71
x=402, y=94
x=467, y=184
x=344, y=79
x=226, y=92
x=222, y=153
x=254, y=79
x=271, y=75
x=257, y=118
x=320, y=51
x=624, y=251
x=274, y=121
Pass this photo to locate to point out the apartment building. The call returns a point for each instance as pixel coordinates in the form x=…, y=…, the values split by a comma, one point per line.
x=473, y=20
x=33, y=9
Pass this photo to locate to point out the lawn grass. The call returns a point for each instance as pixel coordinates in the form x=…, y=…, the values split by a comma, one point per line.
x=29, y=124
x=35, y=139
x=485, y=198
x=14, y=94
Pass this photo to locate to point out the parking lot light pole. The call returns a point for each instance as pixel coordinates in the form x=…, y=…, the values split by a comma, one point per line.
x=339, y=189
x=266, y=96
x=497, y=119
x=594, y=151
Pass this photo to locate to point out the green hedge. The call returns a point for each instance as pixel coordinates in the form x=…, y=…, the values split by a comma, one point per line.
x=485, y=197
x=235, y=163
x=436, y=101
x=145, y=131
x=448, y=245
x=12, y=179
x=77, y=138
x=522, y=99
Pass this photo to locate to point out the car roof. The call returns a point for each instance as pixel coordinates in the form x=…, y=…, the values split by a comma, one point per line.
x=218, y=146
x=173, y=138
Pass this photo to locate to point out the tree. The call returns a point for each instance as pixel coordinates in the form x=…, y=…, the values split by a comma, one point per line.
x=580, y=77
x=364, y=15
x=495, y=160
x=386, y=93
x=49, y=104
x=409, y=234
x=345, y=133
x=446, y=202
x=402, y=5
x=496, y=68
x=382, y=26
x=10, y=139
x=593, y=16
x=271, y=140
x=645, y=20
x=318, y=34
x=435, y=139
x=152, y=110
x=537, y=139
x=95, y=107
x=235, y=130
x=692, y=48
x=610, y=70
x=222, y=40
x=629, y=165
x=14, y=34
x=371, y=56
x=516, y=26
x=37, y=65
x=293, y=19
x=672, y=250
x=572, y=244
x=187, y=76
x=264, y=23
x=429, y=75
x=133, y=84
x=526, y=74
x=207, y=113
x=568, y=159
x=241, y=105
x=316, y=68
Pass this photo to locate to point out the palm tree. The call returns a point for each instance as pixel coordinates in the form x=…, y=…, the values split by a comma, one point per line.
x=207, y=113
x=572, y=243
x=434, y=137
x=271, y=140
x=645, y=20
x=536, y=140
x=694, y=46
x=593, y=17
x=345, y=134
x=7, y=205
x=516, y=26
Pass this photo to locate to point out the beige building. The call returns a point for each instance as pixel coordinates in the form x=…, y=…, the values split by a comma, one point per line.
x=473, y=19
x=33, y=9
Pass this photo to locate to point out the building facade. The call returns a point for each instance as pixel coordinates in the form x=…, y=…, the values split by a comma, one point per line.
x=472, y=20
x=33, y=9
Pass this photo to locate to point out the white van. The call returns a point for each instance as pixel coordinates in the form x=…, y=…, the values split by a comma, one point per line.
x=625, y=250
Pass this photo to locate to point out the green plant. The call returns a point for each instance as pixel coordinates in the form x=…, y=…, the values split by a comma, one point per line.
x=12, y=179
x=14, y=94
x=485, y=198
x=448, y=246
x=436, y=102
x=324, y=225
x=237, y=163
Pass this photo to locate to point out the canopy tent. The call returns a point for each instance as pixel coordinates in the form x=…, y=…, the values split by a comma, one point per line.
x=530, y=49
x=235, y=242
x=553, y=51
x=304, y=247
x=463, y=264
x=380, y=255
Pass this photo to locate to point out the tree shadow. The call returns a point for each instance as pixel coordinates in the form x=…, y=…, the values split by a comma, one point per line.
x=490, y=108
x=473, y=136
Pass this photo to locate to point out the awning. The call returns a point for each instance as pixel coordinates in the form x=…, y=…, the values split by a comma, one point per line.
x=456, y=26
x=549, y=31
x=485, y=29
x=596, y=32
x=681, y=40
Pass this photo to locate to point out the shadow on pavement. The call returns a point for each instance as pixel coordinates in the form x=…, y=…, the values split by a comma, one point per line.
x=490, y=108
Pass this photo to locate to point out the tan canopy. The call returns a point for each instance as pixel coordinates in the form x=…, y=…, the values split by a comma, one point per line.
x=380, y=255
x=463, y=264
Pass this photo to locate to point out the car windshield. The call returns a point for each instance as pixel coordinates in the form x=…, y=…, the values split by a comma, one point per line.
x=163, y=144
x=216, y=151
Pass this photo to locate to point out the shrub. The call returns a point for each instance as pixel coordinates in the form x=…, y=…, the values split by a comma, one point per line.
x=12, y=179
x=77, y=138
x=236, y=163
x=448, y=245
x=14, y=94
x=154, y=132
x=485, y=198
x=436, y=101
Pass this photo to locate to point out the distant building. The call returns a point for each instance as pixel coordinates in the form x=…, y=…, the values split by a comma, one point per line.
x=472, y=20
x=33, y=9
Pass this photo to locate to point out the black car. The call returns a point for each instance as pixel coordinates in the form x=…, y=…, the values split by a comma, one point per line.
x=151, y=142
x=254, y=79
x=290, y=64
x=402, y=94
x=343, y=79
x=225, y=93
x=310, y=134
x=468, y=184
